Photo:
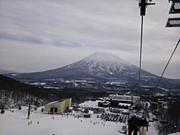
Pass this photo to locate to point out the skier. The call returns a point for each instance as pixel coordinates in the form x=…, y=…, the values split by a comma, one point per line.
x=144, y=126
x=133, y=125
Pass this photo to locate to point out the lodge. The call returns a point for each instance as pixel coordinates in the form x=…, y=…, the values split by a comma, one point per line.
x=58, y=107
x=123, y=98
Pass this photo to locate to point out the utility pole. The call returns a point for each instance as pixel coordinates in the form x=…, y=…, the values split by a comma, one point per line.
x=29, y=110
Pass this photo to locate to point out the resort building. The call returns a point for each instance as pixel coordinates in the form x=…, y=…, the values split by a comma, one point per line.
x=58, y=107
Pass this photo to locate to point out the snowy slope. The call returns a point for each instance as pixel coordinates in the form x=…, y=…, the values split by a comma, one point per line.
x=15, y=123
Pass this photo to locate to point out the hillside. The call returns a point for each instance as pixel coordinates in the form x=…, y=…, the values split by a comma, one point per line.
x=14, y=93
x=14, y=85
x=96, y=71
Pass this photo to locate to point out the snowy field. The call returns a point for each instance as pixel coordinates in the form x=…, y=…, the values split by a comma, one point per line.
x=16, y=123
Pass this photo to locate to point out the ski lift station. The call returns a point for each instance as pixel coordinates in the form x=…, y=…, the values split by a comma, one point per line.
x=58, y=107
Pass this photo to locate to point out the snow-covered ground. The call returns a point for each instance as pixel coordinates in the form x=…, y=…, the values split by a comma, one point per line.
x=16, y=123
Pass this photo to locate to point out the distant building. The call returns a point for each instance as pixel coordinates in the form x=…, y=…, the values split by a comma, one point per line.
x=123, y=98
x=58, y=107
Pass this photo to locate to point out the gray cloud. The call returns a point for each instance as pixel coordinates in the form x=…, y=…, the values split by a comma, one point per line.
x=77, y=26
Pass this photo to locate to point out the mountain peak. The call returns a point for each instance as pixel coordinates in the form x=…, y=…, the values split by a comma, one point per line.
x=105, y=57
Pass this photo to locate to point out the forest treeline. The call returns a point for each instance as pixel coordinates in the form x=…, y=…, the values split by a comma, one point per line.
x=15, y=93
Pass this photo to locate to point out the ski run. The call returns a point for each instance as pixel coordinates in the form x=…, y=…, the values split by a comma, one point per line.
x=15, y=122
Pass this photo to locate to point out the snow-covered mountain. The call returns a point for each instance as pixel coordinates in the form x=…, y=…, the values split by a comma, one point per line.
x=99, y=67
x=105, y=57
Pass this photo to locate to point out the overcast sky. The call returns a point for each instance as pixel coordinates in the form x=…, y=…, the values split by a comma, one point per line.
x=37, y=35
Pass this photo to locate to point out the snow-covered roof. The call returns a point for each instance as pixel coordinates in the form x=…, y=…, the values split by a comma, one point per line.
x=54, y=102
x=93, y=104
x=124, y=104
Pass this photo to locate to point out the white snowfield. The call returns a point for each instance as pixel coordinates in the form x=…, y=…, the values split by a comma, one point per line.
x=16, y=123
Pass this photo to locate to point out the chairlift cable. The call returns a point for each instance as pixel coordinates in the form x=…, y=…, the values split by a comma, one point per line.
x=142, y=4
x=141, y=38
x=168, y=63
